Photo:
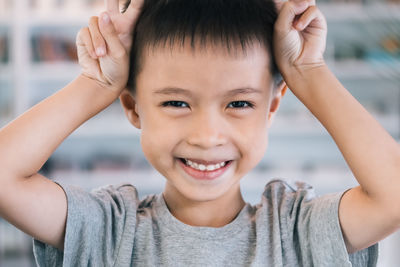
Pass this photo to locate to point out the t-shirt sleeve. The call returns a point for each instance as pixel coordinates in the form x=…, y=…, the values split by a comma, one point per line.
x=313, y=224
x=321, y=219
x=98, y=223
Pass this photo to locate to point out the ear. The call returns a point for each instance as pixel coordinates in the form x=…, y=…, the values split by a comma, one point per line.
x=278, y=93
x=130, y=107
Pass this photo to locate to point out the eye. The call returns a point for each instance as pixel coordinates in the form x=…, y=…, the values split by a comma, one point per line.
x=175, y=104
x=240, y=104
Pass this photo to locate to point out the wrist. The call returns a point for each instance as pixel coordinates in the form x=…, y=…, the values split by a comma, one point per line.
x=297, y=76
x=103, y=90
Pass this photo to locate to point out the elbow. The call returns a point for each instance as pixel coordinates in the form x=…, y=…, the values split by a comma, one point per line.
x=396, y=217
x=394, y=203
x=393, y=211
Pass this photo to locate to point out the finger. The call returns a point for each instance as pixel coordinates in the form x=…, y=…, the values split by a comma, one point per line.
x=134, y=9
x=84, y=39
x=97, y=39
x=278, y=4
x=107, y=29
x=311, y=14
x=112, y=6
x=311, y=2
x=288, y=13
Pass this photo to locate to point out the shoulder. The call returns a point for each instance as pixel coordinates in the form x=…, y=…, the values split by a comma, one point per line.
x=105, y=199
x=288, y=185
x=294, y=199
x=299, y=218
x=99, y=222
x=283, y=189
x=125, y=191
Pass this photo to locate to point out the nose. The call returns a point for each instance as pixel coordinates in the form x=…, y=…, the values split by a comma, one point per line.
x=207, y=130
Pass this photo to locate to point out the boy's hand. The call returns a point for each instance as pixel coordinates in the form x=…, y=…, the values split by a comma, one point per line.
x=104, y=46
x=300, y=36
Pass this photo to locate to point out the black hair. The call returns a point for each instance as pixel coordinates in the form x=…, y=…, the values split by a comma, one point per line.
x=222, y=22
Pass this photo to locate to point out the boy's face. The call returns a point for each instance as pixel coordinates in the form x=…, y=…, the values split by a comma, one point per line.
x=209, y=118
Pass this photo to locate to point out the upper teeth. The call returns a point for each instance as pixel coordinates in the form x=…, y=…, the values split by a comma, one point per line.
x=203, y=167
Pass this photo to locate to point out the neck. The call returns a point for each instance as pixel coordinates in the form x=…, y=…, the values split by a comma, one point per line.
x=211, y=213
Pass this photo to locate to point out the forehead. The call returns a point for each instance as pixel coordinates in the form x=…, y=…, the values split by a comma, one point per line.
x=209, y=67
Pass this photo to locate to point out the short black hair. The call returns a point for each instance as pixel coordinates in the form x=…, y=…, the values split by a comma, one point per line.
x=237, y=23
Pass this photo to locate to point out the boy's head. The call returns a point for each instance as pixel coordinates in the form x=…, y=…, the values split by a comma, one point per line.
x=203, y=87
x=232, y=24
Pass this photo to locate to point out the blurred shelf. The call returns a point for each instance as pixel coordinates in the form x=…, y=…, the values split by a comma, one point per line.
x=353, y=12
x=55, y=71
x=5, y=20
x=358, y=69
x=58, y=20
x=324, y=179
x=77, y=15
x=146, y=181
x=98, y=128
x=111, y=124
x=301, y=126
x=5, y=71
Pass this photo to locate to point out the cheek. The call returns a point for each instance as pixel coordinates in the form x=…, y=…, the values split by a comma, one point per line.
x=253, y=128
x=254, y=136
x=157, y=139
x=151, y=137
x=157, y=150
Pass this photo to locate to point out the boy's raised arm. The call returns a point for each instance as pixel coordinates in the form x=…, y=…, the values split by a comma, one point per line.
x=370, y=212
x=28, y=200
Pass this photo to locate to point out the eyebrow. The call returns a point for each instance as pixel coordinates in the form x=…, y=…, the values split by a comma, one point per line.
x=176, y=90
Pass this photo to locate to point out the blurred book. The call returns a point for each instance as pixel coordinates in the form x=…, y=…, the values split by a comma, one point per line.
x=4, y=49
x=74, y=7
x=52, y=48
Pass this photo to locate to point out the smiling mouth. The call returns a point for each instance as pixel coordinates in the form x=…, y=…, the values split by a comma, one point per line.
x=204, y=167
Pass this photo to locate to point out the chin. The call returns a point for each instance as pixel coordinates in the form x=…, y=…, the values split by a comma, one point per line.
x=204, y=194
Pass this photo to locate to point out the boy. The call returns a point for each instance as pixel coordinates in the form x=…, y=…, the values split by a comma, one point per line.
x=204, y=108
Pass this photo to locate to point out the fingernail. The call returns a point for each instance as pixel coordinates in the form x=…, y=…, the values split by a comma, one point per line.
x=105, y=18
x=100, y=51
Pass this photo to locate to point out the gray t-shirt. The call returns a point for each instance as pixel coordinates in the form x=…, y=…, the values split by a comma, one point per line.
x=110, y=226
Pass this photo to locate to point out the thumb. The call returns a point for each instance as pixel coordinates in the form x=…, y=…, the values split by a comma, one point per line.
x=288, y=13
x=110, y=35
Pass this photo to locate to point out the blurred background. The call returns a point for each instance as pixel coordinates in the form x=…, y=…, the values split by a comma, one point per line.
x=38, y=57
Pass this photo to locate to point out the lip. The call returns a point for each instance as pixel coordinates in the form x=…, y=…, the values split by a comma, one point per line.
x=204, y=175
